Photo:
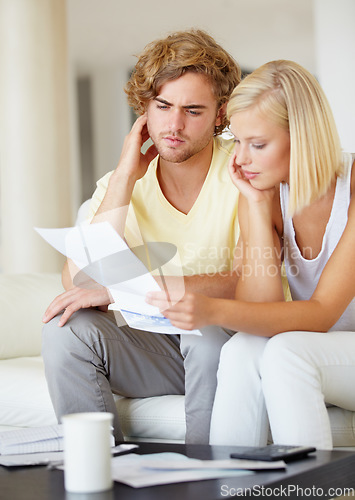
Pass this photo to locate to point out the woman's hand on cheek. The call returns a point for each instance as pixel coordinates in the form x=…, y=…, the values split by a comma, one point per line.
x=235, y=171
x=251, y=193
x=238, y=179
x=189, y=312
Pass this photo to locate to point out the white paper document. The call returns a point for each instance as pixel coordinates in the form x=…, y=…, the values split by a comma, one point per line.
x=28, y=459
x=54, y=459
x=32, y=440
x=100, y=253
x=140, y=471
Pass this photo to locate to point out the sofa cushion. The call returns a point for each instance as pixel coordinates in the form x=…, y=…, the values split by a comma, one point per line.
x=342, y=423
x=156, y=418
x=24, y=397
x=23, y=300
x=25, y=402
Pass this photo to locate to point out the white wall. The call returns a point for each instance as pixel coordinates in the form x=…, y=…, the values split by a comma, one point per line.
x=335, y=62
x=34, y=138
x=109, y=32
x=111, y=117
x=105, y=37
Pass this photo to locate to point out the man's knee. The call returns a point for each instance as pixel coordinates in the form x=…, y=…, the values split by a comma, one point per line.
x=85, y=324
x=201, y=353
x=55, y=340
x=208, y=344
x=51, y=332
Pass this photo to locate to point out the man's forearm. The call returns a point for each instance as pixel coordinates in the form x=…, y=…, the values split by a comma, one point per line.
x=67, y=280
x=114, y=206
x=220, y=285
x=132, y=166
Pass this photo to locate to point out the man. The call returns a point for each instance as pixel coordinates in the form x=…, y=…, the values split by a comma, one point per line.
x=179, y=191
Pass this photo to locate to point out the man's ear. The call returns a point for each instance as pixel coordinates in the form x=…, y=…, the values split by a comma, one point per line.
x=221, y=114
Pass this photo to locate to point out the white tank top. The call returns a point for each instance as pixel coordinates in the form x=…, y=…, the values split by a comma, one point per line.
x=303, y=274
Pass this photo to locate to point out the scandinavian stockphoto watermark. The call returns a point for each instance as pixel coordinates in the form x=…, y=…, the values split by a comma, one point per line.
x=101, y=258
x=256, y=262
x=287, y=491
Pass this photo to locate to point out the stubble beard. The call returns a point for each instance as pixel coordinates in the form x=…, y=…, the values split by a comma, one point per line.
x=184, y=152
x=171, y=155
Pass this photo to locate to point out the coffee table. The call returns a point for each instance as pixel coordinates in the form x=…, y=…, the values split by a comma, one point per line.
x=325, y=474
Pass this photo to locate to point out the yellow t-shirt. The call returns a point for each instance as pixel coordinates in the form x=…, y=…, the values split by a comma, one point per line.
x=205, y=237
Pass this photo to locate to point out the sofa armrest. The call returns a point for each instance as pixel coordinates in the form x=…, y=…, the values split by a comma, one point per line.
x=23, y=300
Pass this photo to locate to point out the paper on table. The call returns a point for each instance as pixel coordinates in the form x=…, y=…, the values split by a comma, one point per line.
x=163, y=468
x=52, y=458
x=130, y=469
x=32, y=440
x=94, y=248
x=229, y=464
x=28, y=459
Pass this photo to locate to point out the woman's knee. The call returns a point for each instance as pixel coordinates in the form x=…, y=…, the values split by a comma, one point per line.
x=283, y=343
x=286, y=353
x=242, y=352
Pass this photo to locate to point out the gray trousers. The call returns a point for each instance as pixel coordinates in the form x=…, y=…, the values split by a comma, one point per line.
x=90, y=358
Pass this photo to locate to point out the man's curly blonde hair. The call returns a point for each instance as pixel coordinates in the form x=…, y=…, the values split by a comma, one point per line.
x=169, y=58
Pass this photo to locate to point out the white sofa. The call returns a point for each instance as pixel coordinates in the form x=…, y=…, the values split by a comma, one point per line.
x=24, y=398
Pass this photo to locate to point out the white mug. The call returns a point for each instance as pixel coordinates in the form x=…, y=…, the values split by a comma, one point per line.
x=87, y=452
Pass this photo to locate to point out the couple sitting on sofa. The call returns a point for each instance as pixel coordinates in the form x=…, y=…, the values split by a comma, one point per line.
x=295, y=205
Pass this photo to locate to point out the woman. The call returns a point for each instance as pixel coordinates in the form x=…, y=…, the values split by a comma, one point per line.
x=296, y=206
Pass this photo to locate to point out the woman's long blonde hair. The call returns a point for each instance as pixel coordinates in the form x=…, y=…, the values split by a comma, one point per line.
x=288, y=94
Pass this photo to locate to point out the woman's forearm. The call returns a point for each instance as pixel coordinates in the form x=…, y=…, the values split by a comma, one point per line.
x=260, y=273
x=268, y=319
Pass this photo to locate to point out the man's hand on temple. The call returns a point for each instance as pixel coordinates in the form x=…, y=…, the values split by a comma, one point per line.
x=132, y=161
